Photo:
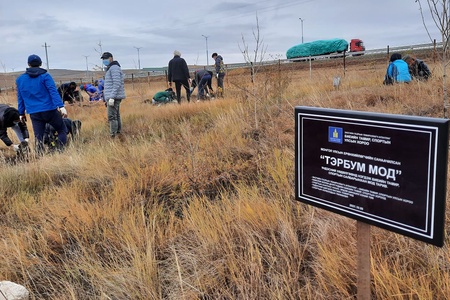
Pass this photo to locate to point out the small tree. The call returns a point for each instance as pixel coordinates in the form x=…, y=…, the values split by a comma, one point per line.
x=256, y=57
x=439, y=11
x=100, y=51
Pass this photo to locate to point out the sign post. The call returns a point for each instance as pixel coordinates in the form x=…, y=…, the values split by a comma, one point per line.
x=385, y=170
x=363, y=263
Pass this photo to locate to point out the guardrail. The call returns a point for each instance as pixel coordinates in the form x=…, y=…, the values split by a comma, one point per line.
x=334, y=55
x=131, y=75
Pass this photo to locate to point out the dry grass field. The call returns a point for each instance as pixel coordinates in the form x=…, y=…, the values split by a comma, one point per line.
x=196, y=201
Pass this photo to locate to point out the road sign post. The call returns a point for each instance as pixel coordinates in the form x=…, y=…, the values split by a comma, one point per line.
x=385, y=170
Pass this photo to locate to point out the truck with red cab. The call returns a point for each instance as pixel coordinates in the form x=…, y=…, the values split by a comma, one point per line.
x=325, y=47
x=357, y=45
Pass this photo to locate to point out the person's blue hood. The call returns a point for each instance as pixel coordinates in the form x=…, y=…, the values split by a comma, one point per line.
x=35, y=71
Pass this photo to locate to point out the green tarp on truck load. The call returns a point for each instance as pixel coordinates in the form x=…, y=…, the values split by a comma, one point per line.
x=320, y=47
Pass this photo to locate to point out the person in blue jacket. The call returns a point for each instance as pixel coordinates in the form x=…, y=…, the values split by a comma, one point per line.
x=100, y=86
x=38, y=96
x=92, y=91
x=397, y=70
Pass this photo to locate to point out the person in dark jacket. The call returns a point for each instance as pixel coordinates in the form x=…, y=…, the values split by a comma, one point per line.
x=68, y=92
x=417, y=68
x=178, y=72
x=203, y=80
x=10, y=118
x=208, y=89
x=37, y=95
x=220, y=73
x=73, y=128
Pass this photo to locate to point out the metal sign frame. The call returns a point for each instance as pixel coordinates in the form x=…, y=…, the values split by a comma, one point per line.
x=383, y=169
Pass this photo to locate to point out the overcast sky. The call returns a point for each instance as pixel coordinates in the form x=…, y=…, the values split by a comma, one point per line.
x=76, y=29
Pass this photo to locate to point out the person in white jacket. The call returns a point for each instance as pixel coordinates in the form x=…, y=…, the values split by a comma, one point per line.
x=114, y=92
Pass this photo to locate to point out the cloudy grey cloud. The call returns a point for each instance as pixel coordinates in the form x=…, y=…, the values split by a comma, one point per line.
x=159, y=27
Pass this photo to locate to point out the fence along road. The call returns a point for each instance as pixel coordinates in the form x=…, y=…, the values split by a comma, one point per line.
x=151, y=72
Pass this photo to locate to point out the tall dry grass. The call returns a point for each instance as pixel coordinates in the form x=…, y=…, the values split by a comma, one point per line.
x=197, y=200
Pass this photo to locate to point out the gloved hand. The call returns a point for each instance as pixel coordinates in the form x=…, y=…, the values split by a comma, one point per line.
x=217, y=75
x=63, y=112
x=15, y=147
x=111, y=102
x=22, y=118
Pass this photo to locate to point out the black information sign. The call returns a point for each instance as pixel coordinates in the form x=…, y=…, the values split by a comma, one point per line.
x=386, y=170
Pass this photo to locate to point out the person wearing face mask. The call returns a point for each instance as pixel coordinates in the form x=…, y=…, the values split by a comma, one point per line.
x=113, y=92
x=38, y=96
x=10, y=118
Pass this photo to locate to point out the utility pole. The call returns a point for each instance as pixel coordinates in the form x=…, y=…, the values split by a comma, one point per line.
x=46, y=54
x=139, y=59
x=302, y=27
x=207, y=55
x=87, y=68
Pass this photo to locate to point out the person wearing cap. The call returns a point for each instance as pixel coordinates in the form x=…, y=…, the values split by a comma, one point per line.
x=417, y=68
x=178, y=72
x=220, y=72
x=10, y=118
x=113, y=92
x=38, y=96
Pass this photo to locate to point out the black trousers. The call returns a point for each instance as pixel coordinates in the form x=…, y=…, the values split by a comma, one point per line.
x=178, y=84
